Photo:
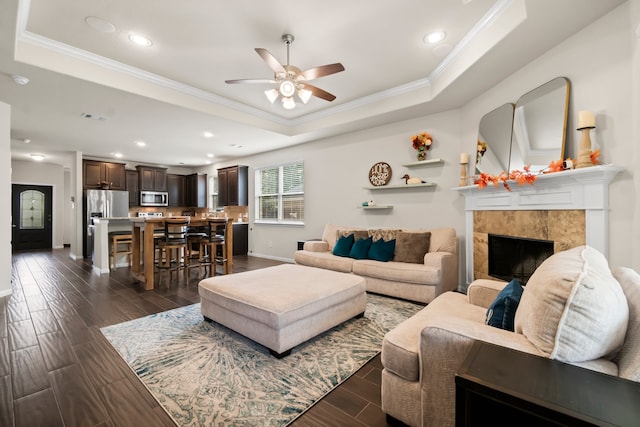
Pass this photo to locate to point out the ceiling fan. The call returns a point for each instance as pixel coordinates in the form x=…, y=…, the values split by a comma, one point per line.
x=291, y=80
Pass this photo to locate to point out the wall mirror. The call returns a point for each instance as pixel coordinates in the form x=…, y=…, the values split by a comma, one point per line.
x=540, y=126
x=494, y=140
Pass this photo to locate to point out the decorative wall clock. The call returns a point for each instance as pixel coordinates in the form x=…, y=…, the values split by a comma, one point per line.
x=380, y=174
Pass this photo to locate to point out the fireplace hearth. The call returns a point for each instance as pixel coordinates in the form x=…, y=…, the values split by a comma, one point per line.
x=513, y=257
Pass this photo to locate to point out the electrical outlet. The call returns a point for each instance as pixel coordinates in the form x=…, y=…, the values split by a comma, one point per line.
x=270, y=244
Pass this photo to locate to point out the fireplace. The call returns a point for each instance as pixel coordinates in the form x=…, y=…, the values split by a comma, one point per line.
x=516, y=258
x=569, y=208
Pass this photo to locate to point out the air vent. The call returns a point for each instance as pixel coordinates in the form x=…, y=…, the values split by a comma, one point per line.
x=93, y=116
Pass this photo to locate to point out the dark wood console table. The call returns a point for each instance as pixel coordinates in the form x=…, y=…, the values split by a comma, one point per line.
x=499, y=386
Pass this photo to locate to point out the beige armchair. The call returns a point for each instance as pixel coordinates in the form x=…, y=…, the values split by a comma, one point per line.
x=421, y=355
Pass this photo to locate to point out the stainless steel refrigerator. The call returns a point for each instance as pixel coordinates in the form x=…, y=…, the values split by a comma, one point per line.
x=101, y=204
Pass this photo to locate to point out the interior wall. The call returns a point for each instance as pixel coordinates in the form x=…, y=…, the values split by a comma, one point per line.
x=24, y=172
x=597, y=62
x=337, y=170
x=5, y=194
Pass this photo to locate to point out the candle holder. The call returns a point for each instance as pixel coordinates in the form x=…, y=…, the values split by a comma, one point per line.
x=463, y=174
x=584, y=150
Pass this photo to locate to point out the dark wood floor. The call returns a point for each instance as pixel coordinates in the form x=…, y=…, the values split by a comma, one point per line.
x=57, y=369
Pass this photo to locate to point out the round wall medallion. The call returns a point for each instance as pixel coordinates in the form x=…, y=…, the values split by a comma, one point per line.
x=380, y=174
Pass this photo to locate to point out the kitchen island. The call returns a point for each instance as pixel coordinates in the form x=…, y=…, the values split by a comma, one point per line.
x=102, y=228
x=143, y=256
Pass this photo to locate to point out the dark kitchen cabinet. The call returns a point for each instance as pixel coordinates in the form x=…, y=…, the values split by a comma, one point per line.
x=152, y=179
x=131, y=178
x=196, y=190
x=96, y=175
x=233, y=186
x=176, y=185
x=240, y=238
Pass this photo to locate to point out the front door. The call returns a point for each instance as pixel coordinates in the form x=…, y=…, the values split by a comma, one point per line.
x=31, y=209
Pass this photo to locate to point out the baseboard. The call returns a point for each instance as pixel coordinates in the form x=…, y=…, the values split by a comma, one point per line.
x=6, y=293
x=275, y=258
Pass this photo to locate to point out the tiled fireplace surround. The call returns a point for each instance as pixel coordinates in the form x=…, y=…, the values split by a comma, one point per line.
x=570, y=208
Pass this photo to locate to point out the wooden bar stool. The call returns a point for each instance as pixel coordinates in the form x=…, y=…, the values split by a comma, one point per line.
x=121, y=244
x=217, y=231
x=173, y=246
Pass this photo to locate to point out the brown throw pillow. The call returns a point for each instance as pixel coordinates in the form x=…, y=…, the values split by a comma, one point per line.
x=411, y=247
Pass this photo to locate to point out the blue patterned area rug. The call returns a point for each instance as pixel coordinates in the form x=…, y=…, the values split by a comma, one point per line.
x=204, y=374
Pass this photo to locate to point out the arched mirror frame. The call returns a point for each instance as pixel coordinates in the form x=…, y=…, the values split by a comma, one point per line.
x=494, y=140
x=504, y=118
x=539, y=130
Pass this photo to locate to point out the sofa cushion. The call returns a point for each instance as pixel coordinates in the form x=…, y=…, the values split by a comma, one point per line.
x=572, y=308
x=343, y=245
x=360, y=249
x=628, y=358
x=324, y=260
x=412, y=246
x=381, y=250
x=393, y=271
x=502, y=311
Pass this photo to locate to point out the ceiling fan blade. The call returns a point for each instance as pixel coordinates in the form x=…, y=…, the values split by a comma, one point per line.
x=316, y=91
x=250, y=81
x=321, y=71
x=271, y=61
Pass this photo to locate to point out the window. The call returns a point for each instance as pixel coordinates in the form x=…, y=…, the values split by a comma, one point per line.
x=280, y=194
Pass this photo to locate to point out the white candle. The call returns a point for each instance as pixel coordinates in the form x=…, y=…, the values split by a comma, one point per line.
x=464, y=157
x=586, y=119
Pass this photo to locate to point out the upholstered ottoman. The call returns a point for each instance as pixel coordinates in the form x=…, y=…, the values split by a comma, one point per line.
x=282, y=306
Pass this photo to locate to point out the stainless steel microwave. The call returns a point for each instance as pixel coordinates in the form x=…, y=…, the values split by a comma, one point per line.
x=154, y=198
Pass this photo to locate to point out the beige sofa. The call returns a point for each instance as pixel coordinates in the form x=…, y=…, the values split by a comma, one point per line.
x=420, y=282
x=573, y=309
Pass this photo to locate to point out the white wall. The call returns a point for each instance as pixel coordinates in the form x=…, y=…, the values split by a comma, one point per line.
x=598, y=63
x=25, y=172
x=5, y=194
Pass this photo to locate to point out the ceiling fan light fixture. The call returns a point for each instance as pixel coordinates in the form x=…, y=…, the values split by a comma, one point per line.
x=288, y=103
x=305, y=95
x=287, y=88
x=272, y=95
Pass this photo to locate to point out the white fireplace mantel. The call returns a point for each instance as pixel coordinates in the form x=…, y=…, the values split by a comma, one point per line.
x=580, y=189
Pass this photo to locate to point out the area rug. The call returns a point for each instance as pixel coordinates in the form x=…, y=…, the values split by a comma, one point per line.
x=204, y=374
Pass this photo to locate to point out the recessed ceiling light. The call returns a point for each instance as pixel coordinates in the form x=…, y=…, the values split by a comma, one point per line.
x=434, y=37
x=141, y=143
x=26, y=140
x=37, y=156
x=207, y=134
x=99, y=24
x=209, y=155
x=140, y=40
x=208, y=162
x=20, y=80
x=118, y=155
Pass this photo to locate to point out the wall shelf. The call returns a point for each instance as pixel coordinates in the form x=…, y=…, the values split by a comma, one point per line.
x=377, y=207
x=424, y=162
x=402, y=186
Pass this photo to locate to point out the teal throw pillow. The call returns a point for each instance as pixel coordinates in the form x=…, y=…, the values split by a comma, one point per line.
x=360, y=249
x=502, y=311
x=343, y=245
x=381, y=250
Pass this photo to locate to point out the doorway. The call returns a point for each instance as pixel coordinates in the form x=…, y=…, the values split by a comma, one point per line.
x=31, y=212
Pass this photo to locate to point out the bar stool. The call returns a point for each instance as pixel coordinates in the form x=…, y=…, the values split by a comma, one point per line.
x=173, y=245
x=119, y=239
x=217, y=230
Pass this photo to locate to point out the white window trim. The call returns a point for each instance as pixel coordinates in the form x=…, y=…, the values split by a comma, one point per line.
x=280, y=220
